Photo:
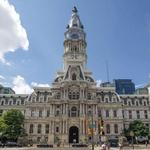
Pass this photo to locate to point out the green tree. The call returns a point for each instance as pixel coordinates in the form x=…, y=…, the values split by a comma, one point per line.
x=138, y=128
x=3, y=126
x=14, y=119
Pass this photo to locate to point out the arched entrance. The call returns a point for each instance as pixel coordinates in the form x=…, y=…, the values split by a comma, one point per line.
x=73, y=135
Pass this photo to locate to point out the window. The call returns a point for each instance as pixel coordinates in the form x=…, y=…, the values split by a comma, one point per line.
x=22, y=102
x=106, y=100
x=48, y=113
x=74, y=95
x=115, y=113
x=57, y=129
x=74, y=76
x=31, y=128
x=138, y=114
x=125, y=101
x=18, y=102
x=137, y=104
x=107, y=113
x=144, y=103
x=89, y=96
x=129, y=103
x=32, y=113
x=10, y=102
x=40, y=113
x=107, y=128
x=57, y=112
x=145, y=114
x=47, y=128
x=99, y=113
x=116, y=128
x=39, y=128
x=74, y=112
x=89, y=112
x=2, y=103
x=130, y=114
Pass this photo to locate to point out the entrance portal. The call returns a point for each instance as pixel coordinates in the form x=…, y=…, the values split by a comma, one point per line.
x=73, y=135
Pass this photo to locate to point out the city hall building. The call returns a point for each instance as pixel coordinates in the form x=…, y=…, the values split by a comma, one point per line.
x=66, y=110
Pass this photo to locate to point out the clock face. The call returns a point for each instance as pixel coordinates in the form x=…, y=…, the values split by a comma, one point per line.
x=74, y=36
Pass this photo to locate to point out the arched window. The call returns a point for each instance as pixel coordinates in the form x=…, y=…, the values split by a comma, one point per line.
x=74, y=76
x=57, y=129
x=74, y=112
x=39, y=128
x=106, y=99
x=129, y=103
x=2, y=103
x=145, y=103
x=18, y=102
x=116, y=128
x=57, y=112
x=31, y=128
x=10, y=102
x=107, y=128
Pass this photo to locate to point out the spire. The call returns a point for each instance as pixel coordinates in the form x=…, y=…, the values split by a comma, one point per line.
x=75, y=20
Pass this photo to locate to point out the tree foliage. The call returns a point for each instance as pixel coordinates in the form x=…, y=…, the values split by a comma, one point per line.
x=3, y=126
x=14, y=120
x=138, y=128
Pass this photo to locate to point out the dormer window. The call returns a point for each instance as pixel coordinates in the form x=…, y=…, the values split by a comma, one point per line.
x=74, y=77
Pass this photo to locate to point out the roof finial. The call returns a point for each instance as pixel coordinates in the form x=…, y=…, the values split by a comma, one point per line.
x=74, y=9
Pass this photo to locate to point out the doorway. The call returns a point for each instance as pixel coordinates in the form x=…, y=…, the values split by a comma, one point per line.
x=73, y=135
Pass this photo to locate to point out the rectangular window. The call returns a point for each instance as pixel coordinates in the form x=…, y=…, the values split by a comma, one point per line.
x=130, y=114
x=40, y=113
x=145, y=114
x=107, y=113
x=32, y=113
x=47, y=128
x=115, y=113
x=48, y=113
x=138, y=114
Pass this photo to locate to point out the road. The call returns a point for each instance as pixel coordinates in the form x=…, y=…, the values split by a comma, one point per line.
x=137, y=147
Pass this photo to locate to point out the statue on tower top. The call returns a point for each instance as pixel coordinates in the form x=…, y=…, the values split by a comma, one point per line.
x=75, y=9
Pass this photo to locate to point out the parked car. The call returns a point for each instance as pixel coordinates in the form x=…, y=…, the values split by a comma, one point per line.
x=79, y=145
x=142, y=139
x=11, y=144
x=1, y=144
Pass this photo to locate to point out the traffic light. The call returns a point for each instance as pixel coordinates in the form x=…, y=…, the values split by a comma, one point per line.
x=90, y=130
x=101, y=127
x=102, y=122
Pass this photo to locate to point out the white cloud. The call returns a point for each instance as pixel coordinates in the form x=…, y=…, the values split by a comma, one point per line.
x=12, y=34
x=2, y=77
x=98, y=82
x=20, y=86
x=39, y=85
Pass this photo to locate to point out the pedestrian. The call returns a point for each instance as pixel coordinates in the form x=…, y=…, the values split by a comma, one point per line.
x=146, y=142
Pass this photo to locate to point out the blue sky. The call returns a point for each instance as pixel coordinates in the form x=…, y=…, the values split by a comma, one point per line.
x=118, y=31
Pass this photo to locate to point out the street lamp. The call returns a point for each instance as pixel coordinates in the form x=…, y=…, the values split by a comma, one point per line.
x=132, y=135
x=92, y=126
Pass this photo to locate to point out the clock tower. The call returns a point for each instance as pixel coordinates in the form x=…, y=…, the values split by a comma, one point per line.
x=75, y=43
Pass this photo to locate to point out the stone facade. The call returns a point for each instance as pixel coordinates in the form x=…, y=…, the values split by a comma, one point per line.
x=65, y=110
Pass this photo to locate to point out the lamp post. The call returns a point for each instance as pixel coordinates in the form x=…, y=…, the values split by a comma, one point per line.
x=92, y=129
x=132, y=135
x=92, y=133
